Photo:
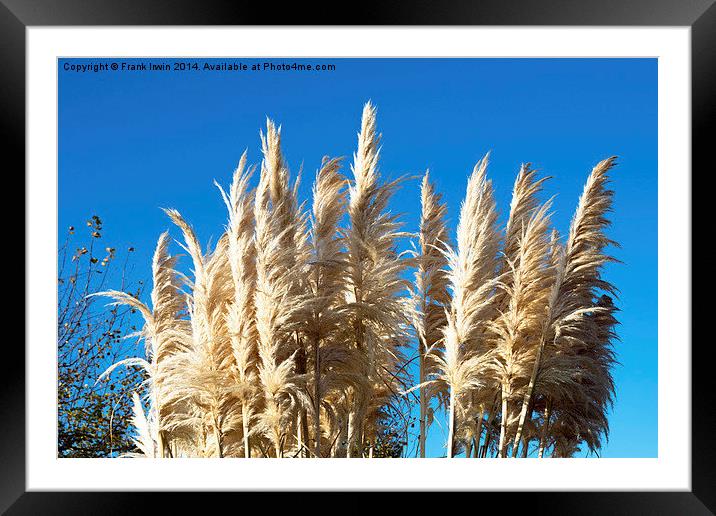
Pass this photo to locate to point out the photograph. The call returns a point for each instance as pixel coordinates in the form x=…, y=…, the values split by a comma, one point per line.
x=357, y=258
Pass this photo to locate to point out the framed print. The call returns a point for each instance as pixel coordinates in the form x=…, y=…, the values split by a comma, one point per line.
x=440, y=249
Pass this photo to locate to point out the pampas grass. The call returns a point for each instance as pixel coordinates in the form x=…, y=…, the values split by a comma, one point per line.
x=374, y=287
x=240, y=315
x=430, y=298
x=294, y=336
x=333, y=363
x=278, y=272
x=467, y=365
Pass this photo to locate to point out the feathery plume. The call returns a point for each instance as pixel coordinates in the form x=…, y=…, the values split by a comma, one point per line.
x=240, y=314
x=276, y=301
x=162, y=332
x=472, y=281
x=146, y=432
x=431, y=296
x=324, y=315
x=575, y=368
x=374, y=282
x=202, y=372
x=527, y=287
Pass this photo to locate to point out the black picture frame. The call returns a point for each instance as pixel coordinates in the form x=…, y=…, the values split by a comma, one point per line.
x=700, y=15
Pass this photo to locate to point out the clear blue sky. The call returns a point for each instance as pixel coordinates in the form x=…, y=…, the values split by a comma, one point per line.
x=132, y=142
